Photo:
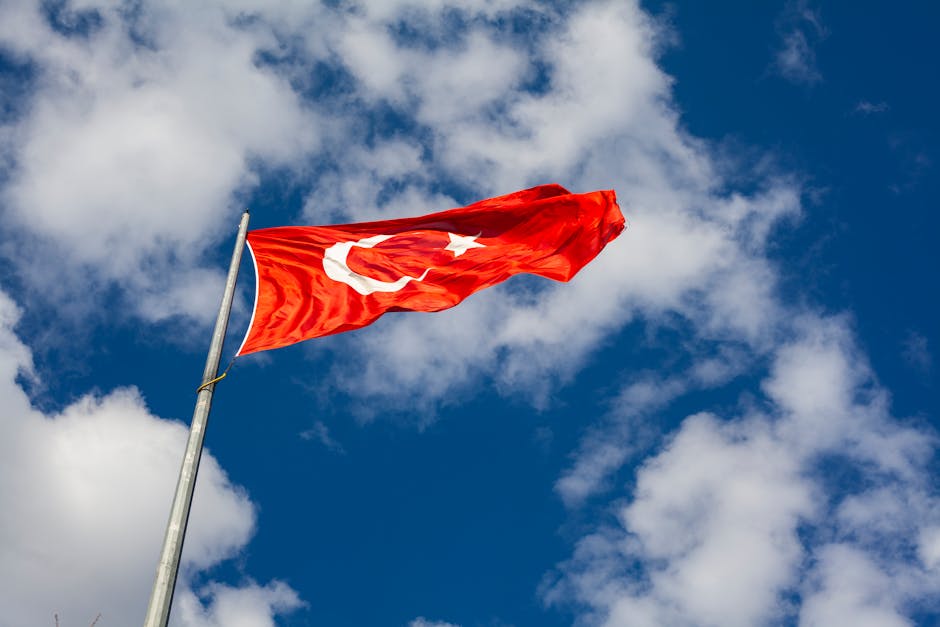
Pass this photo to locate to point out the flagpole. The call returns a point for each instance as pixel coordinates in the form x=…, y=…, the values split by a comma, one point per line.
x=158, y=611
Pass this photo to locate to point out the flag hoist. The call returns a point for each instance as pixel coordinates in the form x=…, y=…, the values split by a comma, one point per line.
x=313, y=281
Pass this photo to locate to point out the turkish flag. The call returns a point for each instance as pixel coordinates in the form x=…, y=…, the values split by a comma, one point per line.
x=320, y=280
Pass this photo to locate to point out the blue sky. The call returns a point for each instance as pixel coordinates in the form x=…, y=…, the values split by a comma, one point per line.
x=728, y=418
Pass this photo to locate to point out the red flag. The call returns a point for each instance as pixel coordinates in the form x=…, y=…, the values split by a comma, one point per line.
x=320, y=280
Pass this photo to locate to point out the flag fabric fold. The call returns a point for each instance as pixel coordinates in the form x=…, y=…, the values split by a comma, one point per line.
x=313, y=281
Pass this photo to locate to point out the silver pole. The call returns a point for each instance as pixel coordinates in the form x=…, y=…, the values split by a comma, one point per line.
x=158, y=612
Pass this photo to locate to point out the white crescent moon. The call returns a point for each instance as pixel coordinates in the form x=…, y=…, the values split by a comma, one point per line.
x=335, y=266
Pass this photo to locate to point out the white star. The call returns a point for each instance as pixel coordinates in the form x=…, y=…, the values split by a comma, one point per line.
x=460, y=243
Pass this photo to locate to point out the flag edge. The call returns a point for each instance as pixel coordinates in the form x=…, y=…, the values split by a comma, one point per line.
x=254, y=309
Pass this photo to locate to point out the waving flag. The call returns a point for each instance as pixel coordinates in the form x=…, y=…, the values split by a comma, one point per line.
x=319, y=280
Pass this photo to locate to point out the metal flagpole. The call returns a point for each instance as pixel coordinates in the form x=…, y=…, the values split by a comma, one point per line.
x=158, y=612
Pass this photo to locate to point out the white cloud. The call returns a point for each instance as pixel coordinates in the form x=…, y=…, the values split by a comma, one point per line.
x=929, y=547
x=757, y=518
x=865, y=107
x=917, y=353
x=137, y=139
x=796, y=59
x=718, y=508
x=219, y=605
x=800, y=29
x=609, y=445
x=851, y=589
x=84, y=495
x=321, y=433
x=423, y=622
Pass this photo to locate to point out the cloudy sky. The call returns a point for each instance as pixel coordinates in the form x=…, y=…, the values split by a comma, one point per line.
x=729, y=418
